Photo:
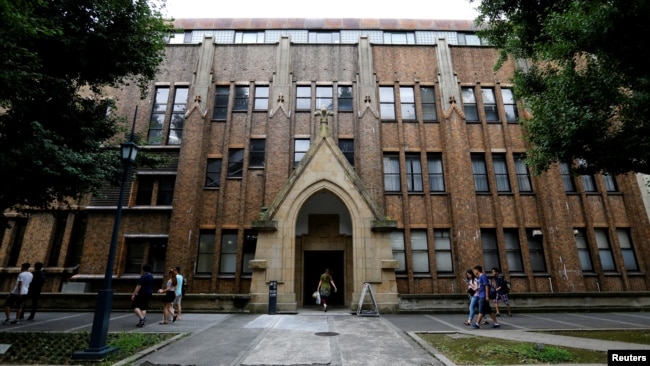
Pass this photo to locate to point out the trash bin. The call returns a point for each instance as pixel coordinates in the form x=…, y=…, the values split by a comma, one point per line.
x=273, y=297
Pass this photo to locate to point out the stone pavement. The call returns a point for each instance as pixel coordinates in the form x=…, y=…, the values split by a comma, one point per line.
x=337, y=337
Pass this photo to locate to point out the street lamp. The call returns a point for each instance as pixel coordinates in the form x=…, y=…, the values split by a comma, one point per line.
x=98, y=349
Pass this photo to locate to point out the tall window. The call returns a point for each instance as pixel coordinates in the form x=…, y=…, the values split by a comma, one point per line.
x=513, y=250
x=221, y=96
x=178, y=117
x=469, y=104
x=413, y=173
x=165, y=195
x=428, y=101
x=158, y=113
x=589, y=182
x=480, y=173
x=213, y=173
x=523, y=178
x=145, y=250
x=228, y=262
x=324, y=97
x=490, y=249
x=345, y=98
x=249, y=37
x=583, y=251
x=235, y=163
x=407, y=103
x=248, y=254
x=490, y=105
x=509, y=105
x=419, y=251
x=399, y=253
x=501, y=172
x=436, y=175
x=610, y=183
x=347, y=148
x=387, y=103
x=391, y=173
x=61, y=219
x=625, y=242
x=162, y=184
x=442, y=244
x=75, y=248
x=567, y=178
x=261, y=98
x=605, y=250
x=300, y=147
x=17, y=238
x=257, y=153
x=303, y=98
x=536, y=251
x=399, y=38
x=241, y=98
x=205, y=256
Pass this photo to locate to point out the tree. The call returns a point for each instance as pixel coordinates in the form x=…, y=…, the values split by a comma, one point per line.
x=56, y=58
x=588, y=86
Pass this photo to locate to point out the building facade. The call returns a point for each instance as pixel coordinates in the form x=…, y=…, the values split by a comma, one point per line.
x=385, y=150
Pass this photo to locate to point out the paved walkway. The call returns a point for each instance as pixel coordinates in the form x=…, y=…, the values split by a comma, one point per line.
x=334, y=338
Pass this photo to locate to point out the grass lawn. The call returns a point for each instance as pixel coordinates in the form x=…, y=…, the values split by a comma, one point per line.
x=629, y=336
x=465, y=349
x=56, y=348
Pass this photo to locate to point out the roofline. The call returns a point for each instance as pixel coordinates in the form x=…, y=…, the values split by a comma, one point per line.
x=324, y=24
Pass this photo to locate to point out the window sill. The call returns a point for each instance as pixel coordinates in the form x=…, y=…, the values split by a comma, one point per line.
x=202, y=276
x=635, y=273
x=161, y=147
x=211, y=188
x=227, y=276
x=589, y=274
x=612, y=274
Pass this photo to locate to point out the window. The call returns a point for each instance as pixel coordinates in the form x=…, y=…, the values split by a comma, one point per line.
x=501, y=172
x=347, y=148
x=436, y=175
x=407, y=103
x=469, y=104
x=523, y=178
x=165, y=191
x=588, y=182
x=399, y=38
x=419, y=251
x=324, y=97
x=300, y=147
x=249, y=37
x=17, y=238
x=610, y=183
x=228, y=263
x=536, y=250
x=387, y=103
x=158, y=113
x=303, y=98
x=490, y=105
x=583, y=251
x=256, y=153
x=399, y=254
x=241, y=98
x=178, y=117
x=567, y=178
x=205, y=256
x=413, y=173
x=261, y=98
x=468, y=39
x=142, y=251
x=235, y=163
x=75, y=248
x=221, y=96
x=324, y=37
x=625, y=242
x=605, y=250
x=513, y=250
x=345, y=98
x=509, y=105
x=428, y=101
x=490, y=249
x=61, y=222
x=480, y=173
x=391, y=173
x=213, y=173
x=162, y=185
x=442, y=244
x=250, y=244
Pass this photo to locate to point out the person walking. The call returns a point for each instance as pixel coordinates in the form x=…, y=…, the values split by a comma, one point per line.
x=170, y=293
x=142, y=295
x=325, y=287
x=18, y=295
x=35, y=288
x=472, y=287
x=483, y=301
x=501, y=288
x=180, y=281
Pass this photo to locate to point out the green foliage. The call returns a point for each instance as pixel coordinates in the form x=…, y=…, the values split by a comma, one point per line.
x=588, y=88
x=56, y=57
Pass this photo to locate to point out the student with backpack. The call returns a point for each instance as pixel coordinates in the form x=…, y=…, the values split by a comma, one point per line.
x=484, y=308
x=501, y=286
x=180, y=291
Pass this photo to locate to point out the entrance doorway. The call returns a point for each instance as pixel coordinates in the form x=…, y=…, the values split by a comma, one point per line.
x=316, y=261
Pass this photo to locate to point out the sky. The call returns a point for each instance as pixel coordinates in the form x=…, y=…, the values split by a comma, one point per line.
x=401, y=9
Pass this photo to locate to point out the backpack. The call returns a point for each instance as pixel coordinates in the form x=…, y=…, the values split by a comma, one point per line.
x=184, y=287
x=503, y=284
x=506, y=288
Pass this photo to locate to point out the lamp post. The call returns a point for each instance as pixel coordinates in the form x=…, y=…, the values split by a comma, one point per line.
x=98, y=349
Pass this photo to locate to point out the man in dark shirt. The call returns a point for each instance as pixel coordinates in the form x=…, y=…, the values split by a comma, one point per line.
x=35, y=288
x=142, y=295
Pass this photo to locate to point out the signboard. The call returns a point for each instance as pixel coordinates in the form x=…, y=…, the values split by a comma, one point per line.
x=367, y=290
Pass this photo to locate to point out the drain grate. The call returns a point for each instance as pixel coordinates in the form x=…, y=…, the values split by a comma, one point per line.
x=326, y=334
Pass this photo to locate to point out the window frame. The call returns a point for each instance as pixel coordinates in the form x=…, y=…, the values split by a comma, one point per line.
x=524, y=182
x=584, y=254
x=158, y=116
x=490, y=110
x=436, y=172
x=235, y=163
x=627, y=250
x=301, y=152
x=567, y=178
x=242, y=98
x=228, y=252
x=257, y=153
x=302, y=99
x=407, y=104
x=428, y=104
x=177, y=120
x=480, y=177
x=347, y=148
x=443, y=250
x=420, y=248
x=205, y=252
x=248, y=251
x=387, y=103
x=325, y=94
x=153, y=252
x=605, y=253
x=501, y=175
x=211, y=172
x=261, y=98
x=392, y=173
x=513, y=250
x=536, y=252
x=509, y=105
x=397, y=242
x=490, y=248
x=344, y=101
x=221, y=101
x=470, y=106
x=413, y=172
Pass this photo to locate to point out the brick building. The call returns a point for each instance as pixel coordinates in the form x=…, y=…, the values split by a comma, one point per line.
x=386, y=150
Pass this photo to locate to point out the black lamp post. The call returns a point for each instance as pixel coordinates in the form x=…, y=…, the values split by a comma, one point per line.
x=98, y=349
